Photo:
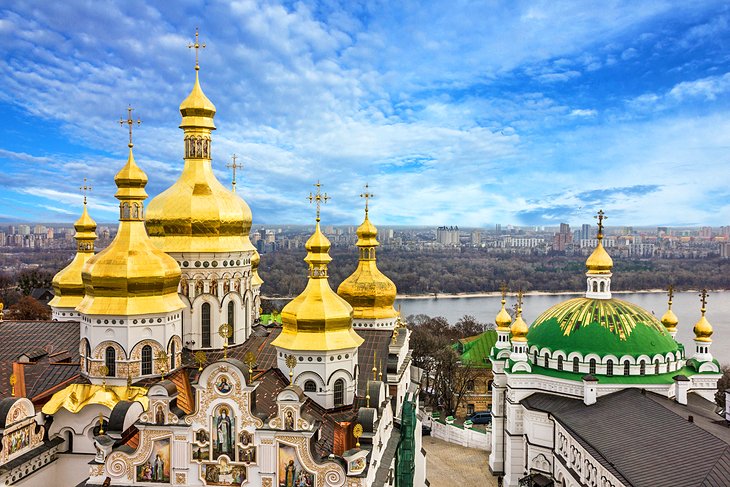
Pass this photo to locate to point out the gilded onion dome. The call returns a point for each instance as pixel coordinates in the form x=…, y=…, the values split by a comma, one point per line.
x=131, y=276
x=370, y=293
x=703, y=329
x=68, y=287
x=519, y=328
x=503, y=319
x=670, y=320
x=317, y=319
x=197, y=213
x=255, y=261
x=599, y=262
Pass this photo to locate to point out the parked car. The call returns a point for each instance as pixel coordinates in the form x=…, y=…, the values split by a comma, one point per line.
x=481, y=417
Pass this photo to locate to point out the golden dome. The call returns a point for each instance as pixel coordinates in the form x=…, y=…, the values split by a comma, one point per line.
x=68, y=287
x=670, y=320
x=131, y=276
x=370, y=293
x=197, y=110
x=317, y=319
x=519, y=330
x=703, y=330
x=599, y=261
x=503, y=319
x=197, y=213
x=255, y=261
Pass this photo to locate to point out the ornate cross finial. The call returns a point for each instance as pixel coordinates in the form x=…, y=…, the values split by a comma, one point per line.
x=357, y=433
x=503, y=289
x=367, y=195
x=520, y=294
x=703, y=300
x=225, y=331
x=161, y=359
x=375, y=369
x=101, y=424
x=200, y=358
x=233, y=166
x=670, y=293
x=197, y=46
x=291, y=362
x=129, y=121
x=249, y=359
x=600, y=216
x=13, y=381
x=84, y=189
x=318, y=198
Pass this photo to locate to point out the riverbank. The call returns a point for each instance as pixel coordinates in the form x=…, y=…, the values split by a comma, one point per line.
x=527, y=293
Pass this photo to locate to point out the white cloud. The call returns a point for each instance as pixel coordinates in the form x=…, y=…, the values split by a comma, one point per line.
x=582, y=112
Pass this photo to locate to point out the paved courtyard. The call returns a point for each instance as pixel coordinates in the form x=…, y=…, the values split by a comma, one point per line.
x=449, y=465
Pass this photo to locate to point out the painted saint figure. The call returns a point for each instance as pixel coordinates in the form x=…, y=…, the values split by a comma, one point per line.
x=290, y=475
x=224, y=431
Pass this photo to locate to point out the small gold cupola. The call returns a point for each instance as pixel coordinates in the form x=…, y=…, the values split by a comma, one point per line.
x=318, y=319
x=670, y=320
x=131, y=276
x=599, y=262
x=703, y=329
x=370, y=292
x=519, y=328
x=197, y=213
x=68, y=286
x=503, y=320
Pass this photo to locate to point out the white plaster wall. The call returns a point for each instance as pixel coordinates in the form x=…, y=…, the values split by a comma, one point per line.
x=68, y=469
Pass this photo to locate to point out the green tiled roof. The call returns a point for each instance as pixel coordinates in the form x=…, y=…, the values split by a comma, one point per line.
x=477, y=349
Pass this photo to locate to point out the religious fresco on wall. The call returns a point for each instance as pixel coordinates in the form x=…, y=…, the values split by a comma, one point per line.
x=247, y=455
x=223, y=385
x=157, y=467
x=290, y=470
x=200, y=453
x=223, y=473
x=245, y=438
x=202, y=437
x=223, y=432
x=19, y=439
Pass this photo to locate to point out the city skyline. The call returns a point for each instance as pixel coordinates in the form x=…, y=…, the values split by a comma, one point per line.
x=528, y=115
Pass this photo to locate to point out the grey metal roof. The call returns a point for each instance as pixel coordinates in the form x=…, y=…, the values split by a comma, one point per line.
x=640, y=440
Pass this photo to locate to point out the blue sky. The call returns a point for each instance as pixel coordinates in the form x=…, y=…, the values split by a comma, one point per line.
x=468, y=113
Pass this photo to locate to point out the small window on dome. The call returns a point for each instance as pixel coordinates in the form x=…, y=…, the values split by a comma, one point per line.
x=547, y=360
x=592, y=366
x=595, y=286
x=656, y=366
x=560, y=362
x=576, y=365
x=642, y=368
x=627, y=368
x=609, y=368
x=310, y=386
x=603, y=286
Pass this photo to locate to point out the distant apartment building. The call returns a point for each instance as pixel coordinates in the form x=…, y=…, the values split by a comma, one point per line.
x=562, y=238
x=476, y=237
x=448, y=236
x=725, y=250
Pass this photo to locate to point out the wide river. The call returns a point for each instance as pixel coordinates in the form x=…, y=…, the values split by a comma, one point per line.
x=686, y=306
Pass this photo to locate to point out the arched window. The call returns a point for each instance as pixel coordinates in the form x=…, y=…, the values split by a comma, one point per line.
x=205, y=323
x=172, y=355
x=595, y=286
x=603, y=286
x=88, y=356
x=592, y=366
x=576, y=365
x=534, y=361
x=627, y=368
x=642, y=368
x=656, y=366
x=339, y=392
x=470, y=385
x=110, y=360
x=310, y=386
x=560, y=362
x=547, y=361
x=232, y=322
x=146, y=360
x=609, y=368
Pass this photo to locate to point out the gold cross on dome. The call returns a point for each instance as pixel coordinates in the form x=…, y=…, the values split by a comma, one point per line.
x=84, y=189
x=519, y=302
x=600, y=216
x=233, y=166
x=367, y=195
x=670, y=293
x=703, y=300
x=318, y=198
x=130, y=121
x=503, y=289
x=197, y=46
